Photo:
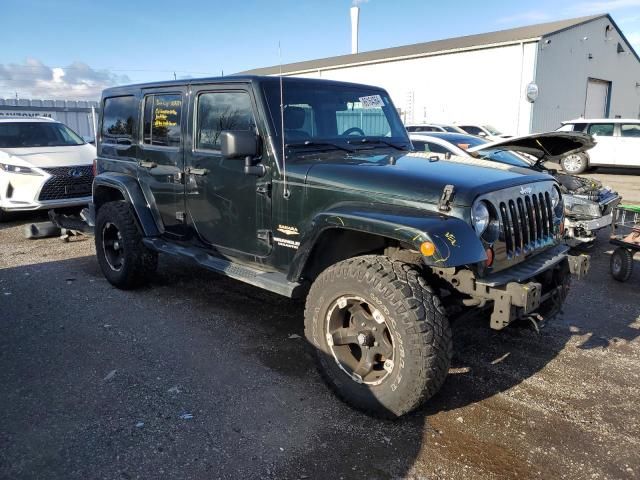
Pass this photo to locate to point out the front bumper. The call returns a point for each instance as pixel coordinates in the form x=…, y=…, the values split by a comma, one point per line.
x=514, y=292
x=48, y=189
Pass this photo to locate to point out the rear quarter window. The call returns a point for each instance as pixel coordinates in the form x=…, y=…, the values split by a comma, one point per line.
x=630, y=130
x=118, y=119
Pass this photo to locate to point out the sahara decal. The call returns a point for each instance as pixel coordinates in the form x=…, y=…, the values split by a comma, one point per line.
x=287, y=230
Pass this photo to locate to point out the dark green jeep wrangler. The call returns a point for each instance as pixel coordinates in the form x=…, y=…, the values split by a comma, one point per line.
x=311, y=188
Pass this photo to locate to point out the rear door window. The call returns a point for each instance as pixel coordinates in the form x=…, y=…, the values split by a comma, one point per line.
x=630, y=130
x=161, y=120
x=601, y=129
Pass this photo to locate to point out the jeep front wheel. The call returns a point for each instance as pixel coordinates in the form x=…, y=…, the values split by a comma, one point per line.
x=125, y=261
x=381, y=337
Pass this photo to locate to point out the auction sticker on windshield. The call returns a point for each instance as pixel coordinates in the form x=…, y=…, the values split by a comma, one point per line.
x=372, y=101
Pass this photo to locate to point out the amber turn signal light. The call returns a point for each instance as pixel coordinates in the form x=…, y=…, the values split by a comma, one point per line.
x=489, y=253
x=427, y=249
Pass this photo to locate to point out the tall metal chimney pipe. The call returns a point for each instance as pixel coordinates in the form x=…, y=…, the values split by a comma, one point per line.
x=355, y=13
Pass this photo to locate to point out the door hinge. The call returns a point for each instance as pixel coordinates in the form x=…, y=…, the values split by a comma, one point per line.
x=264, y=189
x=265, y=236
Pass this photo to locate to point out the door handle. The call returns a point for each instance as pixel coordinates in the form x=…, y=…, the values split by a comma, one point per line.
x=147, y=164
x=197, y=171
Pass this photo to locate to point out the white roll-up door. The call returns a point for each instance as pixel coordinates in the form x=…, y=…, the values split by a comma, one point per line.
x=596, y=105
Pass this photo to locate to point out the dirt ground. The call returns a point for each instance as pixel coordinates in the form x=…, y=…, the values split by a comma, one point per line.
x=199, y=376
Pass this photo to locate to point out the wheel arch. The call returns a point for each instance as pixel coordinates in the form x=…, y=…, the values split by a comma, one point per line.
x=351, y=231
x=118, y=187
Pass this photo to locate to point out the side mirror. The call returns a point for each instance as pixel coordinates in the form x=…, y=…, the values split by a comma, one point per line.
x=238, y=143
x=242, y=144
x=482, y=134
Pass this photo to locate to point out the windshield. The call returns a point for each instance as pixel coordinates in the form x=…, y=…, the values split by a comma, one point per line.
x=503, y=156
x=37, y=134
x=492, y=130
x=330, y=115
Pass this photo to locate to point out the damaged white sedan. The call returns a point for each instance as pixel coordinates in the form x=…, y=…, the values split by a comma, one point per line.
x=588, y=204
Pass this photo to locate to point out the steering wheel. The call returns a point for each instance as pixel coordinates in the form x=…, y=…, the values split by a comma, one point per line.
x=351, y=130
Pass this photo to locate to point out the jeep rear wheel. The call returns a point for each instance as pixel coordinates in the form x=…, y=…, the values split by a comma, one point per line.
x=381, y=337
x=123, y=258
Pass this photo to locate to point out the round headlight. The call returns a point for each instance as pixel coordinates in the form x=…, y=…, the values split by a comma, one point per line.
x=480, y=217
x=557, y=202
x=555, y=197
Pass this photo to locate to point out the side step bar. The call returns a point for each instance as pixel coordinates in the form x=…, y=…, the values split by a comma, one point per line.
x=273, y=281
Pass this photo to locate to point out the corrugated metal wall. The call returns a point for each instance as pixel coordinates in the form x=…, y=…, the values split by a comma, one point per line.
x=75, y=114
x=374, y=122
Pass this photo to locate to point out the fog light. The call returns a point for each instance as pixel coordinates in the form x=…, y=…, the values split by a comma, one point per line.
x=427, y=249
x=489, y=253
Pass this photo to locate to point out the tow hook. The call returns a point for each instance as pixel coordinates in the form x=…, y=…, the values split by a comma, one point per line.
x=579, y=265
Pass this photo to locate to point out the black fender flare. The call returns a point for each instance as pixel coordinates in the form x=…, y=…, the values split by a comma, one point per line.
x=455, y=240
x=131, y=191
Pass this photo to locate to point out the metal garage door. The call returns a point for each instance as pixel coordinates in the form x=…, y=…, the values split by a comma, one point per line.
x=597, y=102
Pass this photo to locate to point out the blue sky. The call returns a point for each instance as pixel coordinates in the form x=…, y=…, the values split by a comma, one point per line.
x=73, y=49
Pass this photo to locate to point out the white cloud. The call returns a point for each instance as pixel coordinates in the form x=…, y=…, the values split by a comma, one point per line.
x=527, y=17
x=602, y=6
x=34, y=79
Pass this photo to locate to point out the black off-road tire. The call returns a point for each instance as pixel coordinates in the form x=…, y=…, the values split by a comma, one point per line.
x=621, y=264
x=138, y=262
x=569, y=163
x=415, y=318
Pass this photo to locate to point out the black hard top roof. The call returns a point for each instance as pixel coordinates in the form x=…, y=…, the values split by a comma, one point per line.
x=231, y=79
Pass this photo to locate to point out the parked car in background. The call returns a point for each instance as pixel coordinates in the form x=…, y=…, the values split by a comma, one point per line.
x=433, y=127
x=43, y=165
x=484, y=131
x=588, y=205
x=617, y=144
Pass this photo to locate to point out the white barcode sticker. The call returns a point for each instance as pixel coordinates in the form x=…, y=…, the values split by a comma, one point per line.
x=372, y=101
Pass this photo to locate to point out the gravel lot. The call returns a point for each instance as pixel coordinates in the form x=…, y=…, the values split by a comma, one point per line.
x=198, y=376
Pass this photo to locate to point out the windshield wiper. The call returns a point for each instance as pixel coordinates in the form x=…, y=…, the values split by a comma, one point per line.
x=310, y=143
x=377, y=140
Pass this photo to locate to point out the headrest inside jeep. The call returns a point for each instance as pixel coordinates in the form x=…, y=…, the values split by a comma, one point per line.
x=293, y=118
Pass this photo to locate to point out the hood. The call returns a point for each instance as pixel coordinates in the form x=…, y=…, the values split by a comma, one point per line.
x=414, y=175
x=47, y=157
x=543, y=147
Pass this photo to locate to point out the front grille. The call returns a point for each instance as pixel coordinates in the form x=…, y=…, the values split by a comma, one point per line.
x=526, y=223
x=66, y=183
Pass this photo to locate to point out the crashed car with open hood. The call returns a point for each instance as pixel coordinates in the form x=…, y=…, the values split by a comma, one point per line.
x=588, y=204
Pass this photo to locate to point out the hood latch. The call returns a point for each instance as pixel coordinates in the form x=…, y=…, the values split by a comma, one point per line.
x=445, y=199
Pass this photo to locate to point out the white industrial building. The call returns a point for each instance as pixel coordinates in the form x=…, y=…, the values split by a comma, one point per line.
x=78, y=115
x=521, y=80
